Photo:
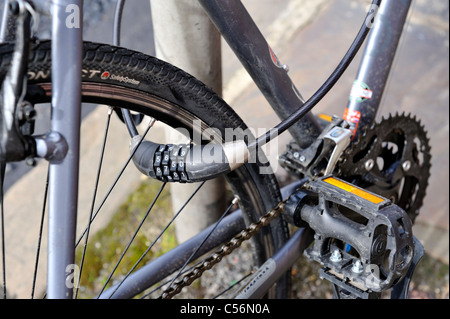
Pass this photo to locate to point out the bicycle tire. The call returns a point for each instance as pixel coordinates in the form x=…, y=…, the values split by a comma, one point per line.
x=116, y=76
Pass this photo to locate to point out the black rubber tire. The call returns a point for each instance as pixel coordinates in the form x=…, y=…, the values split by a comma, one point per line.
x=137, y=79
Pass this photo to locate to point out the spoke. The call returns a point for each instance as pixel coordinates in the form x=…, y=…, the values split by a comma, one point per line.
x=233, y=285
x=38, y=251
x=116, y=180
x=157, y=238
x=235, y=200
x=161, y=285
x=133, y=237
x=100, y=164
x=92, y=218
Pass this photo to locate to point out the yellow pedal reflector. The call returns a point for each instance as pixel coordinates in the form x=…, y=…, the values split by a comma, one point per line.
x=354, y=190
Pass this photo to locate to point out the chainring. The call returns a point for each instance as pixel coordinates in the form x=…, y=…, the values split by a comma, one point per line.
x=393, y=159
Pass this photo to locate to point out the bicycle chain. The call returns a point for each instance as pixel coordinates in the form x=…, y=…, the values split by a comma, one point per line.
x=225, y=250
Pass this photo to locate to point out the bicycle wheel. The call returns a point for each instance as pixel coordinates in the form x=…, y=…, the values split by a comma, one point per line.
x=122, y=78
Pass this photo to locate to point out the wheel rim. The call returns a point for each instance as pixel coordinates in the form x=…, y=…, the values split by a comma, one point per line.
x=93, y=92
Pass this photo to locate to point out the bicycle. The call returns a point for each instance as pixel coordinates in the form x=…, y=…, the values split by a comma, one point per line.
x=360, y=222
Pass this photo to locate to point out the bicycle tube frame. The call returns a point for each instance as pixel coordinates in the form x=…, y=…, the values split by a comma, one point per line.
x=66, y=108
x=241, y=33
x=249, y=45
x=369, y=86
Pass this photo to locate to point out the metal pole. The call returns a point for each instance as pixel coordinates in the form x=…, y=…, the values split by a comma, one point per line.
x=66, y=105
x=186, y=38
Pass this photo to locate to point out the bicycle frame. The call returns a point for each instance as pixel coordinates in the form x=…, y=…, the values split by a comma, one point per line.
x=232, y=19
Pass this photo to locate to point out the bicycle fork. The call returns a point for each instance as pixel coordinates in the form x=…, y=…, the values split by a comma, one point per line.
x=66, y=109
x=61, y=145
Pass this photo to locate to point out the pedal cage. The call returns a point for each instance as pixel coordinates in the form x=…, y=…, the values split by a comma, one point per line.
x=363, y=241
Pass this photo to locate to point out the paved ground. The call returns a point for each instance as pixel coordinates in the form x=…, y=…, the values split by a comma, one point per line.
x=311, y=36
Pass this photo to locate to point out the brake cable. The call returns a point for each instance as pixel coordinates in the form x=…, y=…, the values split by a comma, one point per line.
x=325, y=88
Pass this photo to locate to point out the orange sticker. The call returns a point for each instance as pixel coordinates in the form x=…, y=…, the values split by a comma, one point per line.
x=352, y=117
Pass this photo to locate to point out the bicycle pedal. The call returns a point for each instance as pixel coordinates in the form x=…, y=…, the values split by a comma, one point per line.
x=363, y=241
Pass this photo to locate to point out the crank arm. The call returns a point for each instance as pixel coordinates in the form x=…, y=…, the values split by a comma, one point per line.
x=401, y=290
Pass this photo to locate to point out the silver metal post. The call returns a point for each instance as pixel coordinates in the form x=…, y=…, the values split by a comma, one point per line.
x=185, y=37
x=66, y=105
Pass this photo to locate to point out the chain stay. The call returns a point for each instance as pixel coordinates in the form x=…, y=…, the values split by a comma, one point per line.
x=225, y=250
